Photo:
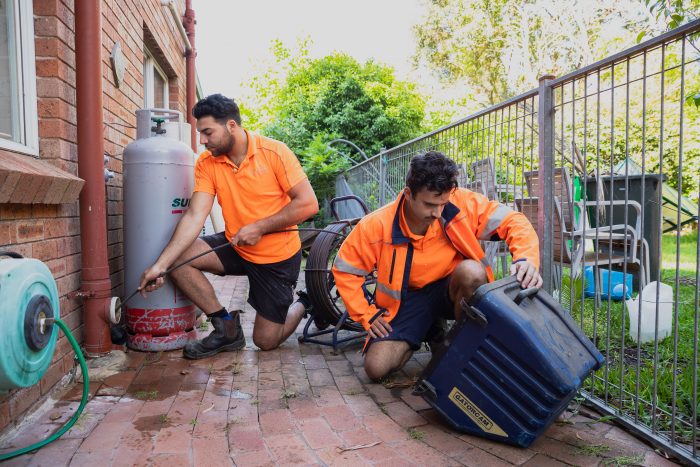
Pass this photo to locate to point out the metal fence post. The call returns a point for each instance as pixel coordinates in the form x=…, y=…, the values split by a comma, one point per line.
x=382, y=178
x=545, y=122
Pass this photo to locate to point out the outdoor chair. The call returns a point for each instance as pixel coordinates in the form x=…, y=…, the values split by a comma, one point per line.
x=562, y=187
x=484, y=172
x=476, y=187
x=491, y=249
x=569, y=246
x=616, y=239
x=463, y=176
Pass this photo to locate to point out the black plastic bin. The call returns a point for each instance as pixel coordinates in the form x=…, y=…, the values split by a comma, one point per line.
x=511, y=367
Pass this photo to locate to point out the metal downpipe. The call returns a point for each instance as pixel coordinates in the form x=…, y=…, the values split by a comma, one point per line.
x=96, y=286
x=191, y=73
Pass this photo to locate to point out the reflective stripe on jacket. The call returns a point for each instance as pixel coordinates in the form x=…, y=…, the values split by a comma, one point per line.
x=377, y=243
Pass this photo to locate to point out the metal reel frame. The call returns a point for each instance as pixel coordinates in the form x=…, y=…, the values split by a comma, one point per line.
x=328, y=308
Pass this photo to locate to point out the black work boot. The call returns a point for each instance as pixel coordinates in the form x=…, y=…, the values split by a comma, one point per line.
x=437, y=335
x=305, y=301
x=227, y=336
x=320, y=322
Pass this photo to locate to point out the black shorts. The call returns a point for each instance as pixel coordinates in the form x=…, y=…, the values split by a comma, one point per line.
x=271, y=285
x=417, y=312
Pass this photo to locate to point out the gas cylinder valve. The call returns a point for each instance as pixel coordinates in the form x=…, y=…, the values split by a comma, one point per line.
x=158, y=129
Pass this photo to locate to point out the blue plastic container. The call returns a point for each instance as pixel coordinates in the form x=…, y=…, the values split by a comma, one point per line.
x=617, y=289
x=510, y=367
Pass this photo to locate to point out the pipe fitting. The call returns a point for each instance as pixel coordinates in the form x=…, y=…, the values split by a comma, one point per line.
x=97, y=319
x=108, y=173
x=178, y=22
x=115, y=310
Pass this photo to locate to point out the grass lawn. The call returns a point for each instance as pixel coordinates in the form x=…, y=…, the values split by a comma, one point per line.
x=658, y=373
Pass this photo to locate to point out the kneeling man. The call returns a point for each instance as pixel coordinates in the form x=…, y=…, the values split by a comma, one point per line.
x=425, y=250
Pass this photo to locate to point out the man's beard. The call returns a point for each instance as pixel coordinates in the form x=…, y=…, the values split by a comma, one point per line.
x=224, y=148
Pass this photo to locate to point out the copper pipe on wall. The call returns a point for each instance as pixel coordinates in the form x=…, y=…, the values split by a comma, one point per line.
x=191, y=73
x=96, y=285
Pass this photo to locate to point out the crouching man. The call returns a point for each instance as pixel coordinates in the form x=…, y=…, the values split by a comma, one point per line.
x=424, y=247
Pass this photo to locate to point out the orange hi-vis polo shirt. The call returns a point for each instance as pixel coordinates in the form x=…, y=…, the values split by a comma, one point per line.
x=252, y=191
x=434, y=256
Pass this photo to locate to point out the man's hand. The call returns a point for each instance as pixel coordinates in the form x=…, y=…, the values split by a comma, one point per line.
x=527, y=274
x=151, y=279
x=248, y=235
x=379, y=327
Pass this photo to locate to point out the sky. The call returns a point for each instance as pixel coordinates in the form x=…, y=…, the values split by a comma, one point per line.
x=233, y=36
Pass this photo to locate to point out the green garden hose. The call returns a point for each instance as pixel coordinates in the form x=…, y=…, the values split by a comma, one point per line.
x=76, y=415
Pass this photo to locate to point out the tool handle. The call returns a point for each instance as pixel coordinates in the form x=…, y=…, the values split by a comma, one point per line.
x=473, y=313
x=527, y=293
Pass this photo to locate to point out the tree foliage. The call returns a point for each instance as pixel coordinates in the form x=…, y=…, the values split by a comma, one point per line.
x=308, y=102
x=499, y=48
x=336, y=95
x=669, y=14
x=322, y=164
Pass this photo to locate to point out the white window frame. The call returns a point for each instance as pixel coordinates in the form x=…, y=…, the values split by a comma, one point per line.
x=150, y=68
x=26, y=122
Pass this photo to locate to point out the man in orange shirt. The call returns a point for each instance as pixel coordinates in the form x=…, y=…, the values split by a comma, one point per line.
x=261, y=188
x=425, y=250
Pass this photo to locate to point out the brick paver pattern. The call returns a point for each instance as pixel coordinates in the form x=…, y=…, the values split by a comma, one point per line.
x=302, y=404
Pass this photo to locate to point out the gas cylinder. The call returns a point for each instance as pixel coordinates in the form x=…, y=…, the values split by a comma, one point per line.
x=158, y=184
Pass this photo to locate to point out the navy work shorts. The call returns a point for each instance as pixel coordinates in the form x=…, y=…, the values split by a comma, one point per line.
x=271, y=285
x=419, y=309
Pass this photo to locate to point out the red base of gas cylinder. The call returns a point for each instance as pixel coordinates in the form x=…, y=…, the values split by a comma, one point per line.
x=151, y=343
x=155, y=330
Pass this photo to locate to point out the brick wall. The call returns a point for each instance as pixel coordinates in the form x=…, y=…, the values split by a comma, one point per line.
x=51, y=233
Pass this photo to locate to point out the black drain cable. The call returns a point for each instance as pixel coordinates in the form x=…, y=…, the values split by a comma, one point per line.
x=177, y=266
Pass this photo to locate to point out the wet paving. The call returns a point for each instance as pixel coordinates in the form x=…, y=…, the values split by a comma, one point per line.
x=301, y=404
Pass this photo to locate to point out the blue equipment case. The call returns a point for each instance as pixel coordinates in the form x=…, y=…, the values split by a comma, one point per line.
x=511, y=366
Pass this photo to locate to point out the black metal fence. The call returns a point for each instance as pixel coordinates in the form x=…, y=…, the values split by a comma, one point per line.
x=605, y=162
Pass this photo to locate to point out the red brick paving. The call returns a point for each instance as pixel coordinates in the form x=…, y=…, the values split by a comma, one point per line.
x=293, y=406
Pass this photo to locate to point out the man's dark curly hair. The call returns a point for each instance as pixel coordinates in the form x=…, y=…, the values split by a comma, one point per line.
x=433, y=171
x=218, y=106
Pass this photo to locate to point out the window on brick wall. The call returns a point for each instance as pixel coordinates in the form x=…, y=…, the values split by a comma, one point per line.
x=18, y=114
x=155, y=83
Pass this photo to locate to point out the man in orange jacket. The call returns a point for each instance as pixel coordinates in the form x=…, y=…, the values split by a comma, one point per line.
x=425, y=250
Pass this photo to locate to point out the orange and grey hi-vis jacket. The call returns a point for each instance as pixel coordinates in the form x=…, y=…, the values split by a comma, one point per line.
x=378, y=243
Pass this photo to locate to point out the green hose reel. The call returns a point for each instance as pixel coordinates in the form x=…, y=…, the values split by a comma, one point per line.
x=29, y=323
x=28, y=308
